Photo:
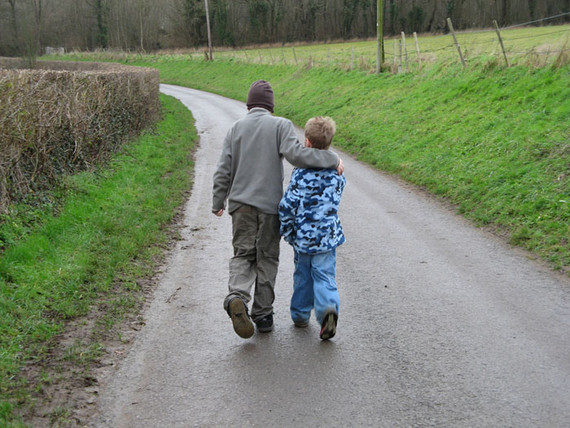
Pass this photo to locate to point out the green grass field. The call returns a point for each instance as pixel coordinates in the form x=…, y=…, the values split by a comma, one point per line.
x=107, y=233
x=527, y=46
x=537, y=45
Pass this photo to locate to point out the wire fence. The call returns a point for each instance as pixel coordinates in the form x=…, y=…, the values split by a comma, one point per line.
x=515, y=44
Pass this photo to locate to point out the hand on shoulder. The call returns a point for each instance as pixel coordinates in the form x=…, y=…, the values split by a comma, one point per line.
x=340, y=166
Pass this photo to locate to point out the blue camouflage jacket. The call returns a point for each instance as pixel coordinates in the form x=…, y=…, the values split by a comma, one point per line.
x=308, y=211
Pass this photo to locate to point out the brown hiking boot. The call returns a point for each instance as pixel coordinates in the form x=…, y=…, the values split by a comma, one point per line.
x=240, y=318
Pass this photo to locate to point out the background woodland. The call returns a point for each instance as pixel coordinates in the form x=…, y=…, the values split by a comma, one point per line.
x=27, y=27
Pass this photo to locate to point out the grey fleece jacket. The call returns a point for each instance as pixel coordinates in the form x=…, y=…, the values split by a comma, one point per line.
x=250, y=168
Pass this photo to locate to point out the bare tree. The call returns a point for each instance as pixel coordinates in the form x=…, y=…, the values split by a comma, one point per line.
x=102, y=15
x=37, y=6
x=12, y=4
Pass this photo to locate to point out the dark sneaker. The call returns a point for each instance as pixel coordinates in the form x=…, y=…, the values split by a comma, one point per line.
x=265, y=324
x=328, y=327
x=240, y=318
x=301, y=324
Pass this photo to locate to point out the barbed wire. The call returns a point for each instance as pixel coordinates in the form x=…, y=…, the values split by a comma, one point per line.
x=547, y=52
x=410, y=54
x=505, y=28
x=482, y=42
x=473, y=31
x=494, y=40
x=537, y=36
x=538, y=20
x=439, y=49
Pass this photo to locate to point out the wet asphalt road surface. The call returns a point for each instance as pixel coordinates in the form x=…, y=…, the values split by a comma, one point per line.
x=440, y=324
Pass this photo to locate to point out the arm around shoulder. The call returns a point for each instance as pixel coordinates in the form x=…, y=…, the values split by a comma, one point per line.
x=299, y=155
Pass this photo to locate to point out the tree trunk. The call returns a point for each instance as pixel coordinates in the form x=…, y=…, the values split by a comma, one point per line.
x=14, y=18
x=38, y=8
x=101, y=11
x=505, y=12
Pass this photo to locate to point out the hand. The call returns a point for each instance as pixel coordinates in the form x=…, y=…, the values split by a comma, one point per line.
x=219, y=213
x=340, y=167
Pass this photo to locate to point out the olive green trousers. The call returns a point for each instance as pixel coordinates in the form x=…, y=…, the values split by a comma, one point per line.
x=256, y=258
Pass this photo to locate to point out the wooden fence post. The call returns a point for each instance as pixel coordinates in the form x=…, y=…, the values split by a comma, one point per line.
x=352, y=60
x=418, y=50
x=501, y=41
x=405, y=51
x=379, y=35
x=450, y=25
x=400, y=56
x=295, y=56
x=208, y=27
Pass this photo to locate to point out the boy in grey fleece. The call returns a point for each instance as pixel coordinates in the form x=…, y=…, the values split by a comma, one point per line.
x=249, y=177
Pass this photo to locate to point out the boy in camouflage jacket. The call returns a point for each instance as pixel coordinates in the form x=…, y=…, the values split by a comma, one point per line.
x=308, y=213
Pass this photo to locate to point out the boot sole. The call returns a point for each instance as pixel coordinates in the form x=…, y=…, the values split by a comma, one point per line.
x=242, y=324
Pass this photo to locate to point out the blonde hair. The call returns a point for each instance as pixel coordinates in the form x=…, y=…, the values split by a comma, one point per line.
x=320, y=132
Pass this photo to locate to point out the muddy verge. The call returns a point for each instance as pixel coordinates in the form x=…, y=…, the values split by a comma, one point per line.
x=64, y=383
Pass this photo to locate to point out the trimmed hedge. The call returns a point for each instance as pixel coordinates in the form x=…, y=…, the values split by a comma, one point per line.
x=64, y=117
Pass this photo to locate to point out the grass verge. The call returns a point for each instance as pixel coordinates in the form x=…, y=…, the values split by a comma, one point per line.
x=493, y=141
x=110, y=228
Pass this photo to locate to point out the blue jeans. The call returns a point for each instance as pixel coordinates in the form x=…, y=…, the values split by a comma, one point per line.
x=314, y=286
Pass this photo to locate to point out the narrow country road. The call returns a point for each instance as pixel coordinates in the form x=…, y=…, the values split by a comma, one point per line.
x=440, y=324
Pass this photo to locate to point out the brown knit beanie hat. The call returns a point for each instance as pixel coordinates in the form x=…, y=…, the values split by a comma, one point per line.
x=260, y=95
